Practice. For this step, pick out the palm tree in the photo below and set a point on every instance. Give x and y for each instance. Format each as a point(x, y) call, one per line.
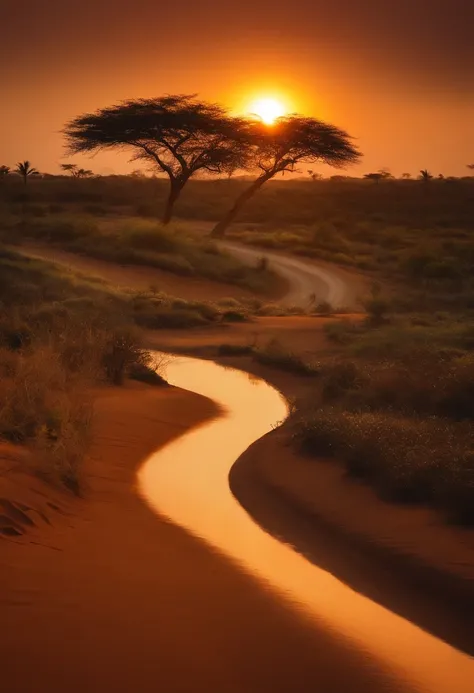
point(25, 170)
point(4, 171)
point(425, 175)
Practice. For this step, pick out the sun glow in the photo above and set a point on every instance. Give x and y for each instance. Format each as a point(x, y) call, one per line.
point(267, 109)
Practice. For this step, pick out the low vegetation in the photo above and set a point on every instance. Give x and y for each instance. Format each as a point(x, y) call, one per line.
point(137, 242)
point(406, 426)
point(59, 337)
point(275, 354)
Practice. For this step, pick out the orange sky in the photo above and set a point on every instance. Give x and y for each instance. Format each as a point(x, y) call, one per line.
point(398, 75)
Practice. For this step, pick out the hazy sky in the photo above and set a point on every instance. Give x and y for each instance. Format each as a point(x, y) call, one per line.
point(397, 74)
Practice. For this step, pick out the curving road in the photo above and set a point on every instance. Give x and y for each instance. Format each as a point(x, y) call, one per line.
point(308, 282)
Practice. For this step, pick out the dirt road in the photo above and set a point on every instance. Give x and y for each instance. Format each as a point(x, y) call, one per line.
point(308, 281)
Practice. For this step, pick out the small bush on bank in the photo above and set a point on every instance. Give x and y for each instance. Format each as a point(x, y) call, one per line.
point(234, 316)
point(235, 349)
point(277, 355)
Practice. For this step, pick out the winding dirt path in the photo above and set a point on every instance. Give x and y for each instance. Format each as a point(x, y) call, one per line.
point(306, 279)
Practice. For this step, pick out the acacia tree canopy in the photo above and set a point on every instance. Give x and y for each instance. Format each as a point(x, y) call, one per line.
point(178, 135)
point(281, 147)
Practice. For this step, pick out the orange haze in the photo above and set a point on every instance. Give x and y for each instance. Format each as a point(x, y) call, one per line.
point(398, 75)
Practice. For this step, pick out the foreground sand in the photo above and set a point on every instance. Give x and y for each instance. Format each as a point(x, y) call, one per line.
point(109, 597)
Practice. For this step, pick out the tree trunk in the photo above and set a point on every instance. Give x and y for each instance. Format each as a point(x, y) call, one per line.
point(175, 190)
point(220, 228)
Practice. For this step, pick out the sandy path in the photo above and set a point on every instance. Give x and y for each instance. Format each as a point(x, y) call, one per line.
point(306, 278)
point(111, 598)
point(308, 282)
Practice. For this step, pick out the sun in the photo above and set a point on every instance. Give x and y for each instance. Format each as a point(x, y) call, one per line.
point(267, 109)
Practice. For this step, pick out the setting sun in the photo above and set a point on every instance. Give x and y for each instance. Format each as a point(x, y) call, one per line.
point(267, 109)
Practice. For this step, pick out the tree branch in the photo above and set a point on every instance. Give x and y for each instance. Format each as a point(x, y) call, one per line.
point(155, 156)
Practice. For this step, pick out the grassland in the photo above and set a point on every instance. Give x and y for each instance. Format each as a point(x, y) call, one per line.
point(60, 337)
point(395, 400)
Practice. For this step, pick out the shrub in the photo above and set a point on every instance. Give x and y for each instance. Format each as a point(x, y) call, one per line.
point(234, 316)
point(339, 377)
point(165, 317)
point(43, 404)
point(407, 460)
point(235, 349)
point(59, 229)
point(146, 373)
point(121, 352)
point(341, 331)
point(323, 308)
point(276, 355)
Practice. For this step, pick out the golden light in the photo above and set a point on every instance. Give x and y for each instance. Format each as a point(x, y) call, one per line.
point(267, 109)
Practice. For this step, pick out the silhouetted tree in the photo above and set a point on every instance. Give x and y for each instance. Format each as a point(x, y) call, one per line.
point(84, 173)
point(25, 170)
point(377, 177)
point(425, 175)
point(72, 169)
point(381, 174)
point(406, 176)
point(470, 167)
point(289, 141)
point(4, 171)
point(177, 135)
point(315, 176)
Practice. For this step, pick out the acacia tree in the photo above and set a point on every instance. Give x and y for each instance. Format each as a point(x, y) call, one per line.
point(178, 135)
point(72, 169)
point(289, 141)
point(25, 170)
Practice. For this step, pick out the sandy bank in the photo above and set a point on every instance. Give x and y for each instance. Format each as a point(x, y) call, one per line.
point(109, 597)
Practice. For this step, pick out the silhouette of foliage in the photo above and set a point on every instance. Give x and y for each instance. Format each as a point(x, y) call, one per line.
point(291, 140)
point(425, 175)
point(178, 135)
point(70, 168)
point(25, 170)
